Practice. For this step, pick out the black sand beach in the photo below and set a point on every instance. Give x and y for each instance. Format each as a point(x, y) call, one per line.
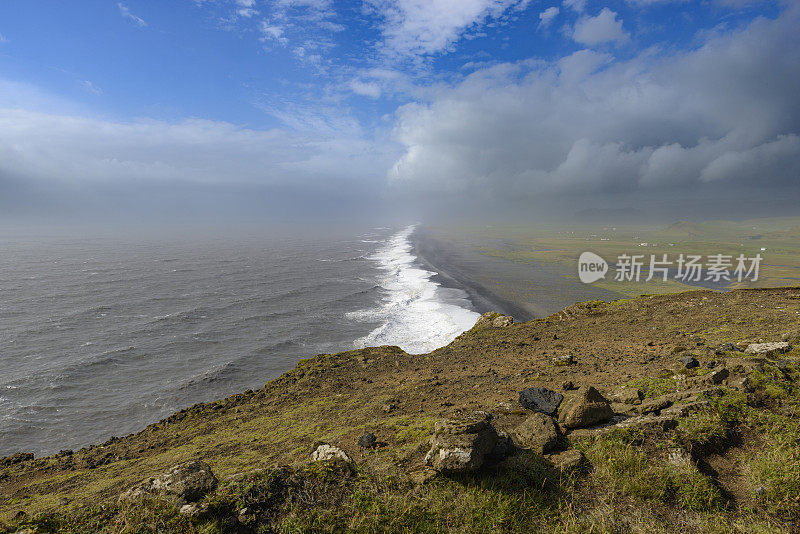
point(524, 291)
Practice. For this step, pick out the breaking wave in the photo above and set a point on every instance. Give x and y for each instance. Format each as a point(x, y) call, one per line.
point(416, 313)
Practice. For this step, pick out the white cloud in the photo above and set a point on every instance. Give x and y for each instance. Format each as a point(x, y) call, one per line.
point(547, 16)
point(272, 32)
point(123, 9)
point(603, 28)
point(370, 89)
point(575, 5)
point(90, 87)
point(723, 115)
point(424, 27)
point(85, 165)
point(246, 8)
point(3, 39)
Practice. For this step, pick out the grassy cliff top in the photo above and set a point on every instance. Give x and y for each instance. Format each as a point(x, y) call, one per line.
point(746, 477)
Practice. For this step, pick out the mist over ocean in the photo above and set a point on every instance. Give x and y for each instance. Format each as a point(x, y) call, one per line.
point(100, 337)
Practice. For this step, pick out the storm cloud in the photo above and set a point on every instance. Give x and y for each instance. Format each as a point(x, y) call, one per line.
point(724, 113)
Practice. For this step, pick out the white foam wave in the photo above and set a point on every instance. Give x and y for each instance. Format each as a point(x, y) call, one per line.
point(417, 314)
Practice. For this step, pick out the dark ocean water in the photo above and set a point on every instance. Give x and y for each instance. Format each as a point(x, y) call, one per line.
point(100, 337)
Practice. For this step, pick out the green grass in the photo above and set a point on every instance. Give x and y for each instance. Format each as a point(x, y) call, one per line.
point(623, 467)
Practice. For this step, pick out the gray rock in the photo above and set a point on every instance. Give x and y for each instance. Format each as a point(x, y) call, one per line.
point(541, 400)
point(367, 440)
point(538, 433)
point(187, 482)
point(461, 444)
point(690, 362)
point(768, 349)
point(326, 452)
point(588, 407)
point(190, 510)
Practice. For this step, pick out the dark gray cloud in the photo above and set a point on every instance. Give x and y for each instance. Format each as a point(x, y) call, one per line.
point(721, 116)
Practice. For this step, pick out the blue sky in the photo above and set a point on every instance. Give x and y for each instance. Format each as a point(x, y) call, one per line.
point(393, 99)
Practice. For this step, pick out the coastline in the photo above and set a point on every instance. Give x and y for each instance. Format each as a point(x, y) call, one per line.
point(524, 291)
point(398, 397)
point(433, 256)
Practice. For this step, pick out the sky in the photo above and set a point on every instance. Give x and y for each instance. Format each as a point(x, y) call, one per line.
point(282, 109)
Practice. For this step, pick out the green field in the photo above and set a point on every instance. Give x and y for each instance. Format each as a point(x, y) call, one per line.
point(777, 240)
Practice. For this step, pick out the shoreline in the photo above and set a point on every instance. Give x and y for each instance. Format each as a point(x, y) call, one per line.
point(525, 291)
point(433, 257)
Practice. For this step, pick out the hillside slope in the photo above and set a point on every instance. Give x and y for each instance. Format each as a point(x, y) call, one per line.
point(743, 438)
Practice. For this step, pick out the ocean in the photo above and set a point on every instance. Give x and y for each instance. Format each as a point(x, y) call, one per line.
point(101, 337)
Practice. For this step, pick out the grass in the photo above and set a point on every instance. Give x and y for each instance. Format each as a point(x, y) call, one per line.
point(629, 471)
point(623, 467)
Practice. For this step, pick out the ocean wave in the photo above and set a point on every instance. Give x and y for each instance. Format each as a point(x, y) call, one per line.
point(415, 313)
point(339, 260)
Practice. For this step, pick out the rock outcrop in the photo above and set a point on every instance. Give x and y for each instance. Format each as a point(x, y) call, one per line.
point(187, 482)
point(494, 320)
point(768, 349)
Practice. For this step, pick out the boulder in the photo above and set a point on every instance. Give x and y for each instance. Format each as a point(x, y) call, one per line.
point(567, 460)
point(461, 443)
point(541, 400)
point(325, 452)
point(538, 433)
point(367, 440)
point(588, 407)
point(187, 482)
point(768, 349)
